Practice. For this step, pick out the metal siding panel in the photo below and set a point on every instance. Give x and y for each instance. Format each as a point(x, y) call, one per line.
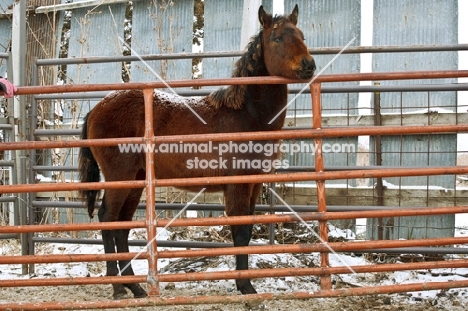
point(5, 4)
point(93, 32)
point(324, 24)
point(5, 38)
point(162, 28)
point(406, 22)
point(223, 23)
point(5, 35)
point(331, 24)
point(96, 33)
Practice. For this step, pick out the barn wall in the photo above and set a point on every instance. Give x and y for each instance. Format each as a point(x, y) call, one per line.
point(407, 22)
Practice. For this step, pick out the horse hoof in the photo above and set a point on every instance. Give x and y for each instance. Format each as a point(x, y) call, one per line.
point(120, 295)
point(245, 287)
point(142, 295)
point(137, 290)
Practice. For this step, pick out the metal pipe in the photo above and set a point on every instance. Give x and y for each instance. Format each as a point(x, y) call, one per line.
point(241, 179)
point(242, 299)
point(308, 248)
point(197, 244)
point(151, 222)
point(261, 135)
point(220, 275)
point(313, 51)
point(402, 75)
point(220, 207)
point(333, 168)
point(238, 220)
point(292, 90)
point(315, 90)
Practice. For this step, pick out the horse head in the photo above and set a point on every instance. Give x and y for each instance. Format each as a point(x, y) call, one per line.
point(284, 51)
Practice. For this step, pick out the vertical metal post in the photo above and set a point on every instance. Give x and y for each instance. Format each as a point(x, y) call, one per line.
point(18, 49)
point(13, 180)
point(153, 279)
point(315, 90)
point(378, 158)
point(271, 202)
point(250, 23)
point(32, 160)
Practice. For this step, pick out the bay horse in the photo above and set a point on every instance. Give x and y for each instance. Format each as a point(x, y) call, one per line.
point(277, 50)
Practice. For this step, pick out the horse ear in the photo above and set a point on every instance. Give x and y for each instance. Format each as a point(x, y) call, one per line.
point(264, 18)
point(294, 15)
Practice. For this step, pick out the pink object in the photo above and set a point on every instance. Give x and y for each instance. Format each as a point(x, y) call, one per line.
point(7, 87)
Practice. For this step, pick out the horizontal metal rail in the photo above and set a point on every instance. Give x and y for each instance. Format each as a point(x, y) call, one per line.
point(239, 220)
point(220, 207)
point(198, 244)
point(313, 51)
point(245, 136)
point(62, 168)
point(293, 90)
point(402, 75)
point(241, 299)
point(242, 179)
point(220, 275)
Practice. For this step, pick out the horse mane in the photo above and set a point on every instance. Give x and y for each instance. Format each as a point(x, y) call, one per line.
point(249, 64)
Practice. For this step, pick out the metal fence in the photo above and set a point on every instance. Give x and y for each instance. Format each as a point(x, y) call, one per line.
point(317, 173)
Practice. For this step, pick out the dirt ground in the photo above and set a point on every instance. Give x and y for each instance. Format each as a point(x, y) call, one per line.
point(102, 292)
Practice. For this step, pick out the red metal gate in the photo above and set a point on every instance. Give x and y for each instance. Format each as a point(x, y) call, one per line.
point(319, 175)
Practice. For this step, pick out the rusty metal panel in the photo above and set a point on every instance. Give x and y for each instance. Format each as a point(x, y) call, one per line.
point(162, 27)
point(329, 24)
point(94, 31)
point(410, 22)
point(5, 34)
point(223, 23)
point(404, 22)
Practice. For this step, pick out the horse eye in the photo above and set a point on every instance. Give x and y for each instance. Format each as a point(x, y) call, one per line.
point(277, 40)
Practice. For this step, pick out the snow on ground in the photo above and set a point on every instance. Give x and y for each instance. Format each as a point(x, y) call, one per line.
point(453, 299)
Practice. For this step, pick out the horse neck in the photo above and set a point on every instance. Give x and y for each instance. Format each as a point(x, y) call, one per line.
point(265, 101)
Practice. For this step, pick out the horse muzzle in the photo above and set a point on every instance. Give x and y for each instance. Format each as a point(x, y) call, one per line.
point(307, 69)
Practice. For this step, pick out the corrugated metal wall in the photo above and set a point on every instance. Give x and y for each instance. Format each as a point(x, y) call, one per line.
point(410, 22)
point(162, 28)
point(330, 24)
point(5, 34)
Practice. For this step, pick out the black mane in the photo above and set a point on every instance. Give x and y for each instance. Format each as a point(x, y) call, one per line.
point(250, 64)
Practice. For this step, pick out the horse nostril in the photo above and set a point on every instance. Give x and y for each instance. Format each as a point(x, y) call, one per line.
point(308, 65)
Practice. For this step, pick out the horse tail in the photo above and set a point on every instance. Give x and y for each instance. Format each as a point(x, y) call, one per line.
point(89, 170)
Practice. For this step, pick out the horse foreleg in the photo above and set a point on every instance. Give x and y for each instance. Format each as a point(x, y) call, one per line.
point(240, 200)
point(241, 237)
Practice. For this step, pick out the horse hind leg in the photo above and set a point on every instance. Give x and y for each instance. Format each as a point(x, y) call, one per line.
point(240, 200)
point(121, 240)
point(109, 210)
point(119, 205)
